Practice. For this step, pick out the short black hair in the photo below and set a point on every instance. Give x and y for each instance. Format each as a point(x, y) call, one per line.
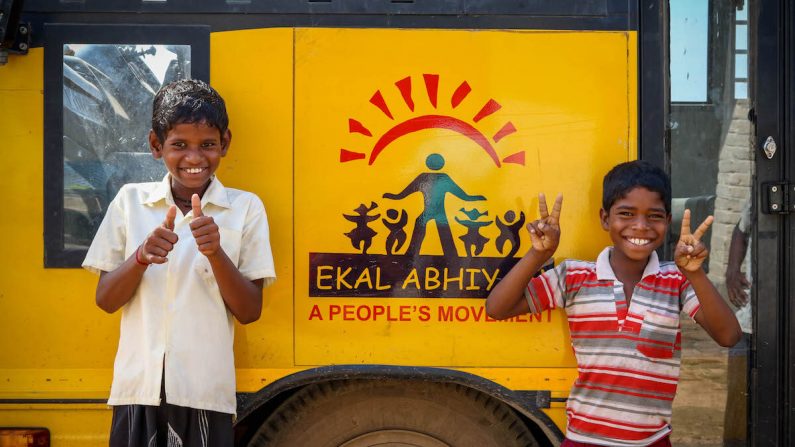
point(188, 101)
point(625, 177)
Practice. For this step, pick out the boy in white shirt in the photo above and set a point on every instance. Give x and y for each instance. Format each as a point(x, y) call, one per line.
point(180, 258)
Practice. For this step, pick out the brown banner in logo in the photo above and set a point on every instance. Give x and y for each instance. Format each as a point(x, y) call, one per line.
point(400, 276)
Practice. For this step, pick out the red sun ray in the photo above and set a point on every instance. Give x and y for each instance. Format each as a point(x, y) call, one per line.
point(404, 85)
point(378, 101)
point(432, 87)
point(506, 130)
point(346, 155)
point(460, 93)
point(517, 158)
point(489, 108)
point(357, 127)
point(431, 122)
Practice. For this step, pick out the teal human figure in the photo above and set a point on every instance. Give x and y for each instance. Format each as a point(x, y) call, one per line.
point(395, 222)
point(362, 236)
point(434, 186)
point(509, 232)
point(473, 240)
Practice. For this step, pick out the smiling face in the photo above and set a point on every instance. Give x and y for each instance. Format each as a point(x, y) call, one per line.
point(191, 152)
point(637, 224)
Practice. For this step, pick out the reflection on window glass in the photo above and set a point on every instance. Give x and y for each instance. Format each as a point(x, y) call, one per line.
point(741, 54)
point(741, 90)
point(712, 170)
point(741, 66)
point(742, 37)
point(689, 43)
point(107, 107)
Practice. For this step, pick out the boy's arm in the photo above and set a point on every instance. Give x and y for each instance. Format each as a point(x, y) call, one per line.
point(117, 287)
point(507, 297)
point(714, 316)
point(736, 281)
point(242, 296)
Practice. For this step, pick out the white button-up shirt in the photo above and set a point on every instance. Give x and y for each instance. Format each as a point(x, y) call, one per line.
point(177, 314)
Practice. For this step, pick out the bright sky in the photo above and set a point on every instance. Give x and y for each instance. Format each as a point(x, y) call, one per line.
point(689, 39)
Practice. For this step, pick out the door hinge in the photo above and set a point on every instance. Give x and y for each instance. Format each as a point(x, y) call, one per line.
point(779, 198)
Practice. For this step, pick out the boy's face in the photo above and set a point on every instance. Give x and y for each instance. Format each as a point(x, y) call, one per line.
point(637, 223)
point(191, 152)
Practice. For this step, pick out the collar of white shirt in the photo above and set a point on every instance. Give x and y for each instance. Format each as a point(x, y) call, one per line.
point(605, 272)
point(215, 193)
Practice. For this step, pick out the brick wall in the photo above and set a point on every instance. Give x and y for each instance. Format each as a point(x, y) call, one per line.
point(735, 168)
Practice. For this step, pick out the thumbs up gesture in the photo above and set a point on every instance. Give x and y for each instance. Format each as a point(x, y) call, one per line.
point(160, 242)
point(204, 229)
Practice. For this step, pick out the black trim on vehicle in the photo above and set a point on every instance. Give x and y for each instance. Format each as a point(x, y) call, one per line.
point(558, 8)
point(576, 15)
point(787, 266)
point(771, 409)
point(56, 35)
point(653, 132)
point(527, 403)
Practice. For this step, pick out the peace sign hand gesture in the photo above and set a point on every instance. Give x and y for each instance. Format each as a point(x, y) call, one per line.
point(690, 251)
point(545, 232)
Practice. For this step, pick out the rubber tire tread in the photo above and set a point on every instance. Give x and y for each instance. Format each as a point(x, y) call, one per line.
point(331, 413)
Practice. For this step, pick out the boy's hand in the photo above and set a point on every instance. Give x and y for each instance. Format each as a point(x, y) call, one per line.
point(204, 229)
point(545, 232)
point(690, 251)
point(160, 242)
point(736, 283)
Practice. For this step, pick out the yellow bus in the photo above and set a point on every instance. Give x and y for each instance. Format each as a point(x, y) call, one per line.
point(398, 147)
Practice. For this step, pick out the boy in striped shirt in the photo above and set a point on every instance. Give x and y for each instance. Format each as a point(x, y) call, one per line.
point(623, 310)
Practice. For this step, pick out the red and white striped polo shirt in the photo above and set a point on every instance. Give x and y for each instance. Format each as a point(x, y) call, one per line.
point(627, 357)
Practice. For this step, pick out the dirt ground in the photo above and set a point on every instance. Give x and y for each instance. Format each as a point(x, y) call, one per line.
point(701, 397)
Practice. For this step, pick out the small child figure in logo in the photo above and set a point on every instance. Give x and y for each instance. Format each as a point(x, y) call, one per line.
point(362, 236)
point(395, 223)
point(509, 232)
point(473, 240)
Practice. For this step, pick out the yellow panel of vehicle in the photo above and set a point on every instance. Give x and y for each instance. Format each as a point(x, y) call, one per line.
point(397, 167)
point(253, 70)
point(79, 425)
point(419, 154)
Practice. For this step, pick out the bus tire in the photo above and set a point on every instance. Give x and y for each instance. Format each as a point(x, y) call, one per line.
point(359, 413)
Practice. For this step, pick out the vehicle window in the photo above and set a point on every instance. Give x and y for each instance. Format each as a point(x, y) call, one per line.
point(712, 172)
point(99, 82)
point(107, 108)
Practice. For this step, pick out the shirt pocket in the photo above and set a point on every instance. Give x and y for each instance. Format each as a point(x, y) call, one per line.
point(230, 242)
point(657, 338)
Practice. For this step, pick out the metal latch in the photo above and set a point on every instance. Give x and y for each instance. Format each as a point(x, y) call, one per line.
point(779, 198)
point(769, 148)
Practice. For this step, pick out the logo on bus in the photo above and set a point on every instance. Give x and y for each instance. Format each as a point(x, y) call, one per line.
point(387, 257)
